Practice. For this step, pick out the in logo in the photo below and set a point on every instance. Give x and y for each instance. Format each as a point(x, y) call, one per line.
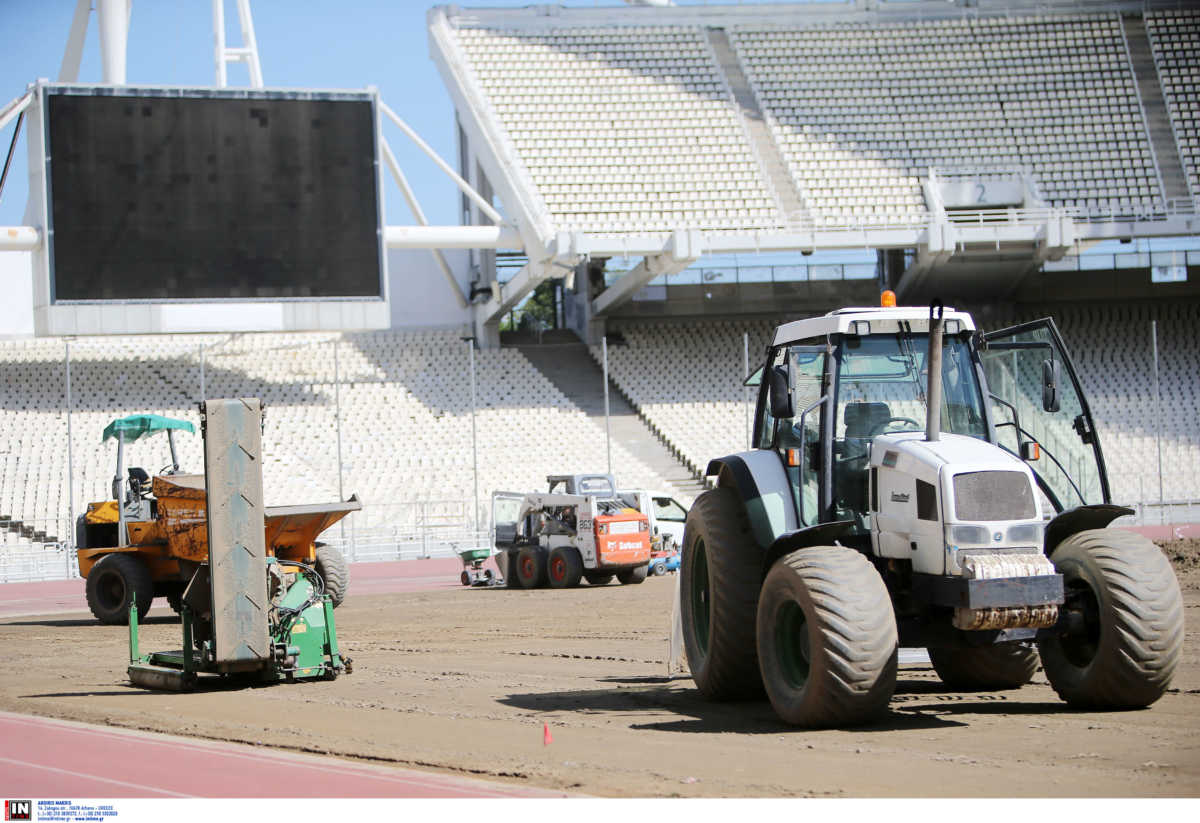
point(18, 810)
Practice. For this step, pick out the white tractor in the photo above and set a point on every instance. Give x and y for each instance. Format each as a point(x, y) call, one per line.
point(578, 530)
point(918, 483)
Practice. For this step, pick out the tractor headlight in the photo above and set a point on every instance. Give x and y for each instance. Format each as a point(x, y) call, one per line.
point(970, 536)
point(1029, 534)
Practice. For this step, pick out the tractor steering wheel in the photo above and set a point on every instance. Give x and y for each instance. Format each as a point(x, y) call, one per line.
point(878, 428)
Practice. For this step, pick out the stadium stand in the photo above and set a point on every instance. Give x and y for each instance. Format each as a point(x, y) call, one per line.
point(860, 111)
point(405, 429)
point(1175, 38)
point(622, 129)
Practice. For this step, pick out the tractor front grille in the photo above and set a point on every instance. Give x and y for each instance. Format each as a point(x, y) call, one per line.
point(993, 495)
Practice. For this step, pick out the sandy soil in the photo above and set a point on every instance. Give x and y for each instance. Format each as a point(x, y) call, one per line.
point(462, 680)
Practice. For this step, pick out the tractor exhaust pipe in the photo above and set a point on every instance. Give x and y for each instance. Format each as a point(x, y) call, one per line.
point(933, 396)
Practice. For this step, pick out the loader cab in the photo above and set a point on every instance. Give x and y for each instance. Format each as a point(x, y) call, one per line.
point(831, 385)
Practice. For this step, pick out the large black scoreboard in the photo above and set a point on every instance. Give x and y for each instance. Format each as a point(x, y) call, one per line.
point(212, 194)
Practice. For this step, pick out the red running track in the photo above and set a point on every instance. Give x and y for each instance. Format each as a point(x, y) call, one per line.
point(67, 596)
point(58, 758)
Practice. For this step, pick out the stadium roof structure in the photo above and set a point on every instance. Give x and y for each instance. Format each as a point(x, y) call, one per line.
point(986, 139)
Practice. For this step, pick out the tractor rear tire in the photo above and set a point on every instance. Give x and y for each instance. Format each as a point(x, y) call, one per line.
point(1129, 621)
point(531, 567)
point(1001, 666)
point(598, 579)
point(112, 584)
point(827, 640)
point(634, 576)
point(332, 568)
point(721, 577)
point(565, 568)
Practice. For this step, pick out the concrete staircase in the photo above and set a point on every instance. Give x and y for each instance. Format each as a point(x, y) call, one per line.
point(570, 367)
point(1158, 120)
point(774, 166)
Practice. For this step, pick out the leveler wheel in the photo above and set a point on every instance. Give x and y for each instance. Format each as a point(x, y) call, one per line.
point(531, 567)
point(111, 585)
point(720, 577)
point(565, 568)
point(1121, 635)
point(332, 568)
point(631, 577)
point(465, 577)
point(827, 642)
point(660, 568)
point(598, 579)
point(1000, 666)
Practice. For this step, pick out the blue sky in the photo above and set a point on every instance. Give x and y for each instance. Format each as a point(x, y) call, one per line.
point(349, 44)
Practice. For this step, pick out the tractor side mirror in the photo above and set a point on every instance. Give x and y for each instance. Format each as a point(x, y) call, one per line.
point(1050, 376)
point(781, 398)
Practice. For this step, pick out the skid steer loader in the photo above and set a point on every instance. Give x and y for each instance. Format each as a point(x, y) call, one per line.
point(916, 482)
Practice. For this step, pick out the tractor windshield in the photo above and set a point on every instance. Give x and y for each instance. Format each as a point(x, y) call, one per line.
point(881, 388)
point(882, 383)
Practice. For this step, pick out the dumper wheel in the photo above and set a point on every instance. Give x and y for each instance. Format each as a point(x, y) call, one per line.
point(565, 568)
point(111, 585)
point(720, 578)
point(1001, 666)
point(1121, 634)
point(827, 641)
point(531, 567)
point(332, 568)
point(631, 577)
point(598, 579)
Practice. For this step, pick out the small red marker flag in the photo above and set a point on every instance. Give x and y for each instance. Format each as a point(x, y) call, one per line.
point(546, 738)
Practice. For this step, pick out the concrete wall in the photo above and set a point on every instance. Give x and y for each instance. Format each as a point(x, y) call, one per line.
point(16, 286)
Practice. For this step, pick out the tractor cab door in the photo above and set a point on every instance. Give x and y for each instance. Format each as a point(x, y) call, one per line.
point(506, 510)
point(1041, 414)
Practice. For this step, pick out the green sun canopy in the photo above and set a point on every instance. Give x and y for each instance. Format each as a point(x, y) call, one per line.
point(136, 426)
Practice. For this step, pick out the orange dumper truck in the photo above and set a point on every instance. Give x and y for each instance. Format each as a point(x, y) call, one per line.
point(148, 540)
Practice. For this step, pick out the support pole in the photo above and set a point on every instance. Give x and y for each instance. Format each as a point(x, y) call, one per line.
point(119, 489)
point(337, 420)
point(474, 447)
point(114, 33)
point(607, 420)
point(745, 388)
point(1158, 420)
point(202, 390)
point(70, 454)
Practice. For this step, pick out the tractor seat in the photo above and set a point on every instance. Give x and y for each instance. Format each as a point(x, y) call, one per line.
point(862, 419)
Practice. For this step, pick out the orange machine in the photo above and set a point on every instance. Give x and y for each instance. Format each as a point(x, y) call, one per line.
point(150, 542)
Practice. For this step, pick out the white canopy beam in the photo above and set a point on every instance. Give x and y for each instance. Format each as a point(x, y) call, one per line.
point(451, 237)
point(463, 185)
point(683, 249)
point(14, 109)
point(19, 238)
point(418, 213)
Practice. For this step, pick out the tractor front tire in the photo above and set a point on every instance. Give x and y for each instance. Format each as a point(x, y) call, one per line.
point(632, 577)
point(598, 579)
point(1001, 666)
point(565, 568)
point(531, 567)
point(827, 640)
point(332, 568)
point(112, 584)
point(1124, 632)
point(721, 576)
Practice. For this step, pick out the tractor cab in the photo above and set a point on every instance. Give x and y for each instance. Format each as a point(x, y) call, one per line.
point(840, 387)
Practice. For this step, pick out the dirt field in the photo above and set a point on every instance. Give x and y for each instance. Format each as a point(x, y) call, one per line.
point(463, 680)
